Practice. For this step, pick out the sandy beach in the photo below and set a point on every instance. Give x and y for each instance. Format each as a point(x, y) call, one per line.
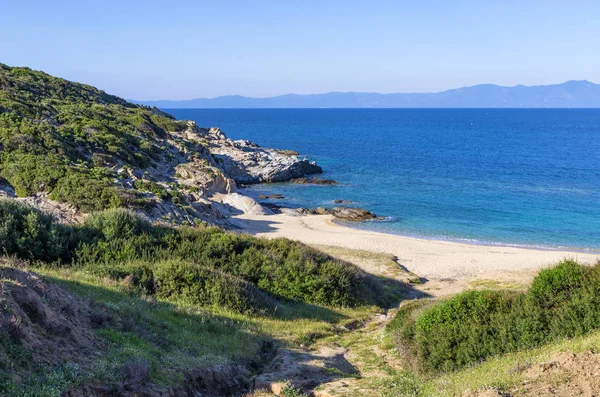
point(431, 259)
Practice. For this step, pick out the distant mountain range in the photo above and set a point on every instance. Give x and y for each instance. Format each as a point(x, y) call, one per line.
point(571, 94)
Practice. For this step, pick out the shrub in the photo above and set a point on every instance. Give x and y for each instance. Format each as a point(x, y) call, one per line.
point(30, 234)
point(86, 193)
point(151, 187)
point(563, 301)
point(117, 224)
point(212, 262)
point(459, 331)
point(208, 287)
point(552, 287)
point(29, 173)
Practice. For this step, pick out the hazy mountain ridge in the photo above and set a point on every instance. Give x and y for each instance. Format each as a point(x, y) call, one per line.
point(571, 94)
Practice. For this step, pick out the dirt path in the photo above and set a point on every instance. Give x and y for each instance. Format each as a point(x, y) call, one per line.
point(352, 362)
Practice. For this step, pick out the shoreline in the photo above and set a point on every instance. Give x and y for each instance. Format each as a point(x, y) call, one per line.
point(432, 259)
point(593, 251)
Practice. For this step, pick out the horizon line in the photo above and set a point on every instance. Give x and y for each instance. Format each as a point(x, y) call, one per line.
point(362, 92)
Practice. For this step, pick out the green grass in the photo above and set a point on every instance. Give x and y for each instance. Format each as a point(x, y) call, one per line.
point(174, 336)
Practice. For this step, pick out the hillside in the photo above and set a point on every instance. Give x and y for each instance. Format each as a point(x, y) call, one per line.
point(111, 280)
point(64, 142)
point(571, 94)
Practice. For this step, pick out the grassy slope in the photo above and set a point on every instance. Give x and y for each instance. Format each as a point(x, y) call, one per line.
point(213, 335)
point(170, 320)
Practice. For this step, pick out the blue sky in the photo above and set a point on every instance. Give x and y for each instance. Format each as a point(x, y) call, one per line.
point(186, 49)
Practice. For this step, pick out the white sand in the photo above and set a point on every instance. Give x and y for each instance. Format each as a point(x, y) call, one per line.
point(431, 259)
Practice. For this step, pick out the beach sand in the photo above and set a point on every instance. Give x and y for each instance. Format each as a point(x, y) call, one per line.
point(433, 260)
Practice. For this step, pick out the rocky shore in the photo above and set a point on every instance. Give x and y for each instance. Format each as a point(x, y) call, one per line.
point(247, 163)
point(198, 178)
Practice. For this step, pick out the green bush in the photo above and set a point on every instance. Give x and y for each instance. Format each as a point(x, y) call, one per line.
point(208, 287)
point(151, 187)
point(86, 193)
point(110, 240)
point(563, 301)
point(29, 173)
point(553, 287)
point(30, 234)
point(117, 224)
point(283, 268)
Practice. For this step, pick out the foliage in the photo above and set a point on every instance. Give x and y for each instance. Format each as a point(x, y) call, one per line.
point(45, 384)
point(87, 194)
point(204, 286)
point(205, 265)
point(151, 187)
point(563, 301)
point(30, 234)
point(53, 133)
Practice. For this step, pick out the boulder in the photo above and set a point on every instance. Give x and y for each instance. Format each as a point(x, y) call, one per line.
point(235, 203)
point(352, 214)
point(313, 181)
point(345, 213)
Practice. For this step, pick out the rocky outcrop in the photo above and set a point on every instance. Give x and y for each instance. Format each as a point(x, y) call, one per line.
point(247, 163)
point(194, 179)
point(207, 179)
point(352, 214)
point(62, 212)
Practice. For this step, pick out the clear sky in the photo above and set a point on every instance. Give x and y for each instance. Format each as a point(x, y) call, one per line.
point(187, 49)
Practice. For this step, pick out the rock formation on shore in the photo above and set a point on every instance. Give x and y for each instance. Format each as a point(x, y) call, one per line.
point(70, 155)
point(247, 163)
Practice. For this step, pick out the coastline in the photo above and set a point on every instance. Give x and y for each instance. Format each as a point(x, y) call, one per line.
point(537, 247)
point(427, 258)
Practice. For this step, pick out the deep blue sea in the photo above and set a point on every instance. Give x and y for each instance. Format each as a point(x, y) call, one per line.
point(496, 176)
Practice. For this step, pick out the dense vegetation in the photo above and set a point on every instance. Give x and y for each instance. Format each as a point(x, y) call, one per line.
point(205, 266)
point(563, 301)
point(67, 139)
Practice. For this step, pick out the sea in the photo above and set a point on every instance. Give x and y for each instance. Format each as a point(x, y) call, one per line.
point(519, 177)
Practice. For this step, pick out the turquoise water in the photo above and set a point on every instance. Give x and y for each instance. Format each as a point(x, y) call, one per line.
point(507, 176)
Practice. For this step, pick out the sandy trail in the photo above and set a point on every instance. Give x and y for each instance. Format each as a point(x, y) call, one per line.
point(432, 259)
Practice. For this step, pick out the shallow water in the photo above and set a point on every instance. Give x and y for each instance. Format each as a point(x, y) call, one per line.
point(510, 176)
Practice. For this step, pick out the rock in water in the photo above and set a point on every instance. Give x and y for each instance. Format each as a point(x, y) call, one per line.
point(352, 214)
point(271, 196)
point(313, 181)
point(345, 213)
